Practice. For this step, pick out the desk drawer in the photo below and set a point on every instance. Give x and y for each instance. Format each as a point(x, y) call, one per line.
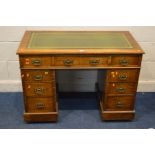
point(35, 61)
point(81, 61)
point(119, 103)
point(121, 88)
point(126, 60)
point(123, 75)
point(37, 75)
point(40, 105)
point(39, 89)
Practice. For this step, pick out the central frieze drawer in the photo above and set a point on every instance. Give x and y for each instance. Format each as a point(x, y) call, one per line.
point(40, 105)
point(39, 89)
point(121, 88)
point(81, 61)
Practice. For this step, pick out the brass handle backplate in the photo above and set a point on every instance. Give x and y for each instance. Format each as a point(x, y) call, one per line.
point(124, 62)
point(120, 90)
point(36, 62)
point(39, 91)
point(40, 105)
point(94, 62)
point(38, 77)
point(119, 104)
point(123, 77)
point(68, 62)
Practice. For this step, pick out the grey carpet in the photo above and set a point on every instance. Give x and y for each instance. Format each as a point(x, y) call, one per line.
point(76, 111)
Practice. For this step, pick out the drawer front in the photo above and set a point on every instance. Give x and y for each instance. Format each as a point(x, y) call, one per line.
point(35, 61)
point(119, 103)
point(94, 61)
point(39, 89)
point(125, 60)
point(66, 61)
point(123, 75)
point(37, 75)
point(121, 88)
point(40, 105)
point(83, 61)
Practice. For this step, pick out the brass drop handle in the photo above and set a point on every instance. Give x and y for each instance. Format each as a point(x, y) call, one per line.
point(120, 90)
point(68, 62)
point(94, 62)
point(119, 104)
point(123, 77)
point(39, 91)
point(124, 62)
point(36, 62)
point(38, 77)
point(40, 105)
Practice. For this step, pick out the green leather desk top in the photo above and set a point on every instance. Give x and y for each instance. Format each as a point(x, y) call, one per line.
point(76, 40)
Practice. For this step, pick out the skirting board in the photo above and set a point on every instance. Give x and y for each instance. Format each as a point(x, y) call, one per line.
point(16, 86)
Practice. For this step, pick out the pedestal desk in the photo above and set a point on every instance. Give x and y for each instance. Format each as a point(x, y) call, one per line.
point(115, 54)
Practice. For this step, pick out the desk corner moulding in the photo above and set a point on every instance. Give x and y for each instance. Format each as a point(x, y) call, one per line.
point(114, 54)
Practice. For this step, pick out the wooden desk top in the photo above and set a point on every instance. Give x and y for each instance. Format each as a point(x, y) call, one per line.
point(78, 42)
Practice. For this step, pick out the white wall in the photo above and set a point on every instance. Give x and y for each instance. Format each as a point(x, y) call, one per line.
point(10, 38)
